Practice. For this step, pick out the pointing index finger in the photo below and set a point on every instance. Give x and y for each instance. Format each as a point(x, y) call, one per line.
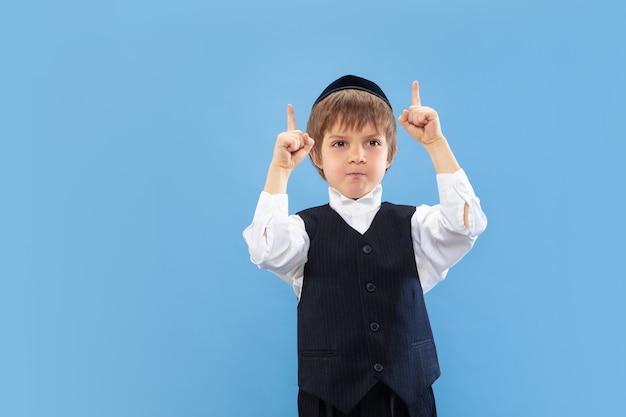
point(291, 118)
point(415, 96)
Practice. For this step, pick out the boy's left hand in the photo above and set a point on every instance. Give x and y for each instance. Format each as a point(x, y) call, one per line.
point(421, 122)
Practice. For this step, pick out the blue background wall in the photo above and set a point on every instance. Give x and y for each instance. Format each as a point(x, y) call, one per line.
point(134, 141)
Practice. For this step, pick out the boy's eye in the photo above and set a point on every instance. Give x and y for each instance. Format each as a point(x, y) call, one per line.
point(339, 144)
point(374, 142)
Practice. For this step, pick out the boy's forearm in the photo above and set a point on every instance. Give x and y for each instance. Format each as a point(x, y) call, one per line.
point(277, 179)
point(445, 162)
point(442, 157)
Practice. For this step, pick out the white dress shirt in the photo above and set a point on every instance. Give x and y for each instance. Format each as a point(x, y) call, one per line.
point(279, 243)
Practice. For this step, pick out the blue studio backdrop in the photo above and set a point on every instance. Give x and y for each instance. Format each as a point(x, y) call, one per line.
point(134, 141)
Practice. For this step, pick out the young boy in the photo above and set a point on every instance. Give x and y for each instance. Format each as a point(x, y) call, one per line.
point(359, 267)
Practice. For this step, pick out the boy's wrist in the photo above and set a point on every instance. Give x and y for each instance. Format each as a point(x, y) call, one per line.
point(438, 145)
point(279, 170)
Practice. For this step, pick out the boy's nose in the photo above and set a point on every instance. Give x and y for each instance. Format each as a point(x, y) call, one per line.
point(357, 155)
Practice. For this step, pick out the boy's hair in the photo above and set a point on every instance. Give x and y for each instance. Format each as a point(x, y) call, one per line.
point(353, 109)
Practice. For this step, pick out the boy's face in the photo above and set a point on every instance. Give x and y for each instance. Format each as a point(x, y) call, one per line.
point(353, 161)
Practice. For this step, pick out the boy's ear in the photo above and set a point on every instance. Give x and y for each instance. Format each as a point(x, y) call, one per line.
point(390, 156)
point(316, 161)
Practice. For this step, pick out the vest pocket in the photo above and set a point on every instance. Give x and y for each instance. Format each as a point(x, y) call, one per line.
point(321, 353)
point(421, 343)
point(428, 363)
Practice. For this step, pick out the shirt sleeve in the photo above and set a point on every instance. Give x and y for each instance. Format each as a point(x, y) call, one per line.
point(277, 241)
point(440, 238)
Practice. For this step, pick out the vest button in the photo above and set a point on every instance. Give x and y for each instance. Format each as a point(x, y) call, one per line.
point(370, 287)
point(367, 249)
point(374, 326)
point(378, 367)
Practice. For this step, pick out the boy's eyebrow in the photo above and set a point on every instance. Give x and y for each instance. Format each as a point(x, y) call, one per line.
point(376, 135)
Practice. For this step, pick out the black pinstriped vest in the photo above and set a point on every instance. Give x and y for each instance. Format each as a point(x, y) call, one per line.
point(361, 315)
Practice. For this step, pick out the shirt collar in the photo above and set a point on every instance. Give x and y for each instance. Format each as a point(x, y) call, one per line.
point(368, 203)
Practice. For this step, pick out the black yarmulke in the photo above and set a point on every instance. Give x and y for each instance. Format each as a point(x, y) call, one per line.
point(352, 82)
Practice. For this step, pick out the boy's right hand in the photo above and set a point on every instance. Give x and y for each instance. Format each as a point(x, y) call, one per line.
point(291, 146)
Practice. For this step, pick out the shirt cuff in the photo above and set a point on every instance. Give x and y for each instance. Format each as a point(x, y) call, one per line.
point(270, 205)
point(455, 190)
point(452, 186)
